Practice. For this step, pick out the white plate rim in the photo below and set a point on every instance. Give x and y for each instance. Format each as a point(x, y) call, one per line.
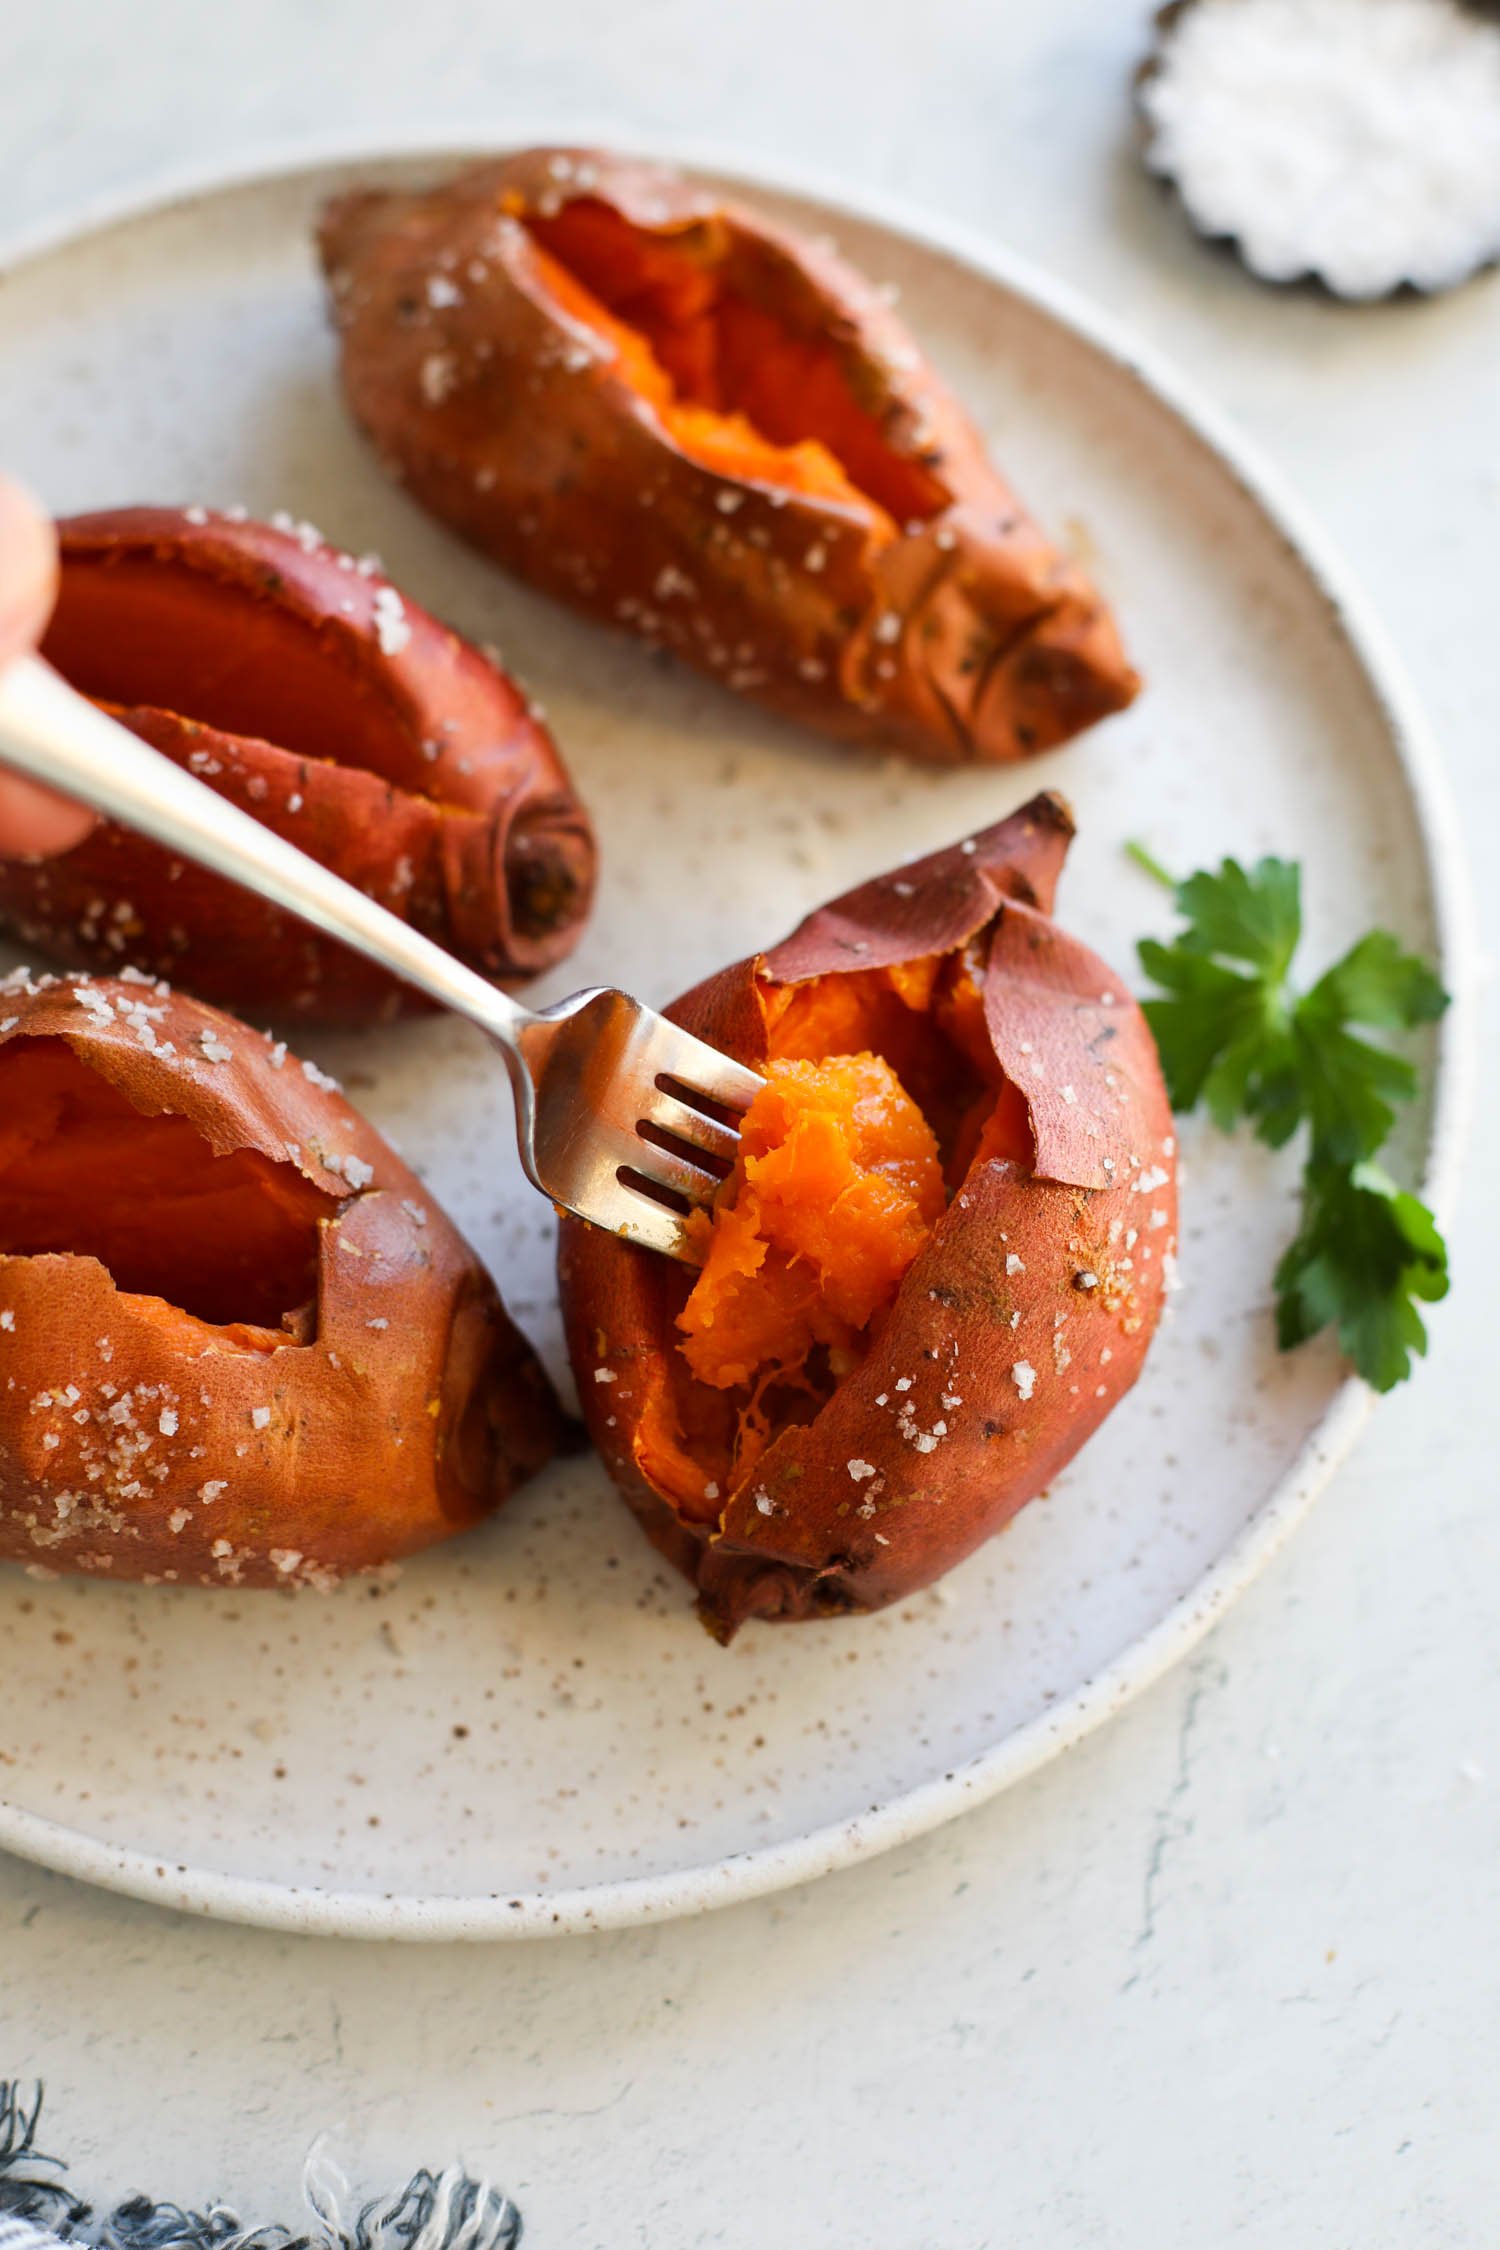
point(741, 1876)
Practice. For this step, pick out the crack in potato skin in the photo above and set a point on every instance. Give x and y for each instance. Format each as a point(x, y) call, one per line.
point(837, 1186)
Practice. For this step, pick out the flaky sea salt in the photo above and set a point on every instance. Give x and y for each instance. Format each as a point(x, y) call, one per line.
point(1358, 140)
point(392, 630)
point(438, 376)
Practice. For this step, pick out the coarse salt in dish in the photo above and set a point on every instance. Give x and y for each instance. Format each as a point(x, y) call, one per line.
point(1356, 141)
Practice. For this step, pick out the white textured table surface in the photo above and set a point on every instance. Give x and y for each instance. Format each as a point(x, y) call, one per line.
point(1230, 1972)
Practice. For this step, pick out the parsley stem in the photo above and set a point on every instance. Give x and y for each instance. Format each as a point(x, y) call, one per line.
point(1148, 862)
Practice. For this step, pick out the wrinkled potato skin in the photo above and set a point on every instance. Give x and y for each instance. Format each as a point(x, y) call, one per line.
point(381, 1439)
point(799, 1537)
point(452, 839)
point(526, 443)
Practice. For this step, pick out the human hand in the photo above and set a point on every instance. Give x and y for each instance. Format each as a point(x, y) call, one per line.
point(32, 821)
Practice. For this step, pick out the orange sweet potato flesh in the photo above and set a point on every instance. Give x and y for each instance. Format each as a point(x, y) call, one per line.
point(676, 415)
point(84, 1174)
point(737, 388)
point(892, 1402)
point(837, 1187)
point(239, 1342)
point(301, 686)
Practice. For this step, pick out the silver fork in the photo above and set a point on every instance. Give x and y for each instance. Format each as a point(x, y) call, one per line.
point(592, 1076)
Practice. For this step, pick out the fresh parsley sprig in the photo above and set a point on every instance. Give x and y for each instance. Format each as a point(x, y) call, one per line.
point(1236, 1036)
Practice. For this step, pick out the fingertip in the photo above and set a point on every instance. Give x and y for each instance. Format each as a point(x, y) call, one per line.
point(35, 824)
point(28, 570)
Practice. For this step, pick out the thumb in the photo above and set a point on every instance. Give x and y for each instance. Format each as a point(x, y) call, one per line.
point(28, 571)
point(31, 820)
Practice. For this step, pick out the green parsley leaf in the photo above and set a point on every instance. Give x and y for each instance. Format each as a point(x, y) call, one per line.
point(1224, 1031)
point(1255, 918)
point(1234, 1036)
point(1345, 1088)
point(1215, 1031)
point(1378, 984)
point(1364, 1253)
point(1348, 1084)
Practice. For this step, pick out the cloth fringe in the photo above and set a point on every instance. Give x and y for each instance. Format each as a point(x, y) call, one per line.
point(448, 2210)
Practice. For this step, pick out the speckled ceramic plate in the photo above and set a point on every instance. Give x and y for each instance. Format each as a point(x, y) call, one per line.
point(529, 1732)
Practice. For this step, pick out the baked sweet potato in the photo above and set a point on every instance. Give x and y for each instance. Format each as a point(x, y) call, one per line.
point(298, 683)
point(938, 1262)
point(239, 1342)
point(679, 417)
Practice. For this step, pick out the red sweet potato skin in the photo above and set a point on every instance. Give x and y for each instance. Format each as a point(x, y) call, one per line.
point(139, 1441)
point(300, 685)
point(965, 636)
point(1021, 1324)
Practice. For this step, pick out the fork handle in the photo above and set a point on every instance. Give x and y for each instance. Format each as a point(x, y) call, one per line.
point(55, 736)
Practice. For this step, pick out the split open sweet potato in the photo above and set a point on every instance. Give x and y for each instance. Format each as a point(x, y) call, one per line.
point(301, 685)
point(682, 418)
point(239, 1342)
point(937, 1264)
